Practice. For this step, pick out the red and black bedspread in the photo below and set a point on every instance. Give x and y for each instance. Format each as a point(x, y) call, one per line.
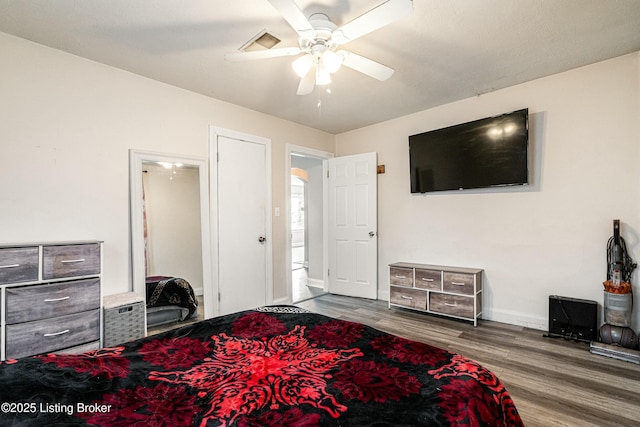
point(277, 366)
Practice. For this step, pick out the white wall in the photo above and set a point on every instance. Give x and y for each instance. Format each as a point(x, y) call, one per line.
point(547, 239)
point(314, 214)
point(66, 125)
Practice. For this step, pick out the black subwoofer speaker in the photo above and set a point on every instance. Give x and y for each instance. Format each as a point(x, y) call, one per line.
point(573, 318)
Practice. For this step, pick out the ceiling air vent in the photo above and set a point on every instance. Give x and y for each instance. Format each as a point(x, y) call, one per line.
point(263, 40)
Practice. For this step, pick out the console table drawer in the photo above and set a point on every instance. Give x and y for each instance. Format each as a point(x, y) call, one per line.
point(37, 302)
point(401, 276)
point(411, 298)
point(60, 261)
point(453, 305)
point(458, 283)
point(428, 279)
point(18, 265)
point(42, 336)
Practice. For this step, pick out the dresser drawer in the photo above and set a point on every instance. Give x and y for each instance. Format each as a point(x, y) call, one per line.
point(37, 302)
point(60, 261)
point(18, 265)
point(429, 279)
point(453, 305)
point(458, 283)
point(412, 298)
point(401, 276)
point(42, 336)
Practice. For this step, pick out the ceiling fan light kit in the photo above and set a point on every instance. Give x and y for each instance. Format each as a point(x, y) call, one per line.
point(331, 61)
point(323, 77)
point(319, 39)
point(303, 65)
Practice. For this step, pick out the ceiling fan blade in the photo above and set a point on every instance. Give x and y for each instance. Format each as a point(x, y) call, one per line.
point(366, 66)
point(307, 83)
point(376, 18)
point(262, 54)
point(293, 15)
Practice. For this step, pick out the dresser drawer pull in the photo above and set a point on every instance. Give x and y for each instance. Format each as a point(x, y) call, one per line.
point(400, 277)
point(427, 280)
point(406, 297)
point(458, 283)
point(448, 304)
point(56, 299)
point(71, 261)
point(55, 334)
point(10, 266)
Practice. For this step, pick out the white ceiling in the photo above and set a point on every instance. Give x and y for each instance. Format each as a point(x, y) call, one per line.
point(445, 51)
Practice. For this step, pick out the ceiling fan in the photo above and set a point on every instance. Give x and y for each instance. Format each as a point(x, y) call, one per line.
point(319, 40)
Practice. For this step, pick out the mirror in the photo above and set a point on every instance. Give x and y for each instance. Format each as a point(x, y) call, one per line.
point(169, 227)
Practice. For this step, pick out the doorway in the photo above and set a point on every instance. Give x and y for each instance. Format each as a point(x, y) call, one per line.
point(349, 225)
point(157, 244)
point(306, 213)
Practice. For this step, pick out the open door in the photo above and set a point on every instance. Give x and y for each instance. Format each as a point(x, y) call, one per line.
point(353, 226)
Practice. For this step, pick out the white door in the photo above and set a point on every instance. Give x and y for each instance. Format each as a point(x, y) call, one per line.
point(353, 241)
point(241, 182)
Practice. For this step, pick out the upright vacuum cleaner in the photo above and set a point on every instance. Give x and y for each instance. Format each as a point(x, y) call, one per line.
point(618, 297)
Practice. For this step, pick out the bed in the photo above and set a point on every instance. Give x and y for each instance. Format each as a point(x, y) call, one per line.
point(274, 366)
point(169, 300)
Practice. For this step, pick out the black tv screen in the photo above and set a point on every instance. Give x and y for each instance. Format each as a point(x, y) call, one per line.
point(488, 152)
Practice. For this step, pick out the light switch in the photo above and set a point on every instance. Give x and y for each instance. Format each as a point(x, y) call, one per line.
point(276, 211)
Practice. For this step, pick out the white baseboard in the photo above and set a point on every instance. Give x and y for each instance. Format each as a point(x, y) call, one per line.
point(502, 316)
point(515, 318)
point(315, 283)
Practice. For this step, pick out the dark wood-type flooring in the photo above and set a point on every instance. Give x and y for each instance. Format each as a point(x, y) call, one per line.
point(554, 382)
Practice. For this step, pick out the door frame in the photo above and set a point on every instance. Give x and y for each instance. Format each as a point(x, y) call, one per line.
point(136, 160)
point(214, 133)
point(324, 156)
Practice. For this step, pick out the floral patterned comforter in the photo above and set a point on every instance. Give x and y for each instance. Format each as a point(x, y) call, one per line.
point(276, 366)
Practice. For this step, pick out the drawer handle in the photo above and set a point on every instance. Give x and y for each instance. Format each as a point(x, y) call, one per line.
point(71, 261)
point(56, 299)
point(448, 304)
point(406, 297)
point(400, 277)
point(55, 334)
point(427, 280)
point(10, 266)
point(458, 283)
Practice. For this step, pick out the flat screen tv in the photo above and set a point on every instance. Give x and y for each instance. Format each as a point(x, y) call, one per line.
point(488, 152)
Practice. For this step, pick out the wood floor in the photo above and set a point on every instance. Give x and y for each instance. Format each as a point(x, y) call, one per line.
point(554, 382)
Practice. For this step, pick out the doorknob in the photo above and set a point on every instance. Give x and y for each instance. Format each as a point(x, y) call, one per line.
point(371, 234)
point(262, 239)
